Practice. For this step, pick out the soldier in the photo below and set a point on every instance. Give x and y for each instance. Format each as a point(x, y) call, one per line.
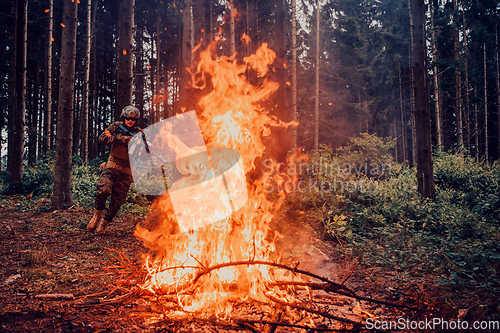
point(116, 175)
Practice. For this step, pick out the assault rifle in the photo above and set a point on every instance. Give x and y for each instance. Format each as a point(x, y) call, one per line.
point(120, 128)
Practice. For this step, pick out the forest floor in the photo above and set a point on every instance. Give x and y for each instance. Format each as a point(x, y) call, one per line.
point(48, 251)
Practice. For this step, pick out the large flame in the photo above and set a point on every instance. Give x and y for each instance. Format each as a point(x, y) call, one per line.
point(231, 117)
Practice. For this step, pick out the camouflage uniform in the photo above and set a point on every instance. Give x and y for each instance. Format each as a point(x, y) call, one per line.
point(116, 176)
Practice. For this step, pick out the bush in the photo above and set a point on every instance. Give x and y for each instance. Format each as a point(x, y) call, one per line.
point(38, 182)
point(455, 236)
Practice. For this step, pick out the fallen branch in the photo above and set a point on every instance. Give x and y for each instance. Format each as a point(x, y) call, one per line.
point(352, 268)
point(328, 288)
point(321, 313)
point(56, 296)
point(256, 262)
point(265, 322)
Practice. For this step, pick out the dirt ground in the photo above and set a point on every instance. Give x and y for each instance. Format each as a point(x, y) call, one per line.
point(47, 251)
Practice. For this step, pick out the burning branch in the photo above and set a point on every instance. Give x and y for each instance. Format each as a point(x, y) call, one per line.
point(328, 288)
point(321, 313)
point(292, 269)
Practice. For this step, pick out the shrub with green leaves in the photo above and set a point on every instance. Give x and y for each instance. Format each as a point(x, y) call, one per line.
point(38, 182)
point(456, 236)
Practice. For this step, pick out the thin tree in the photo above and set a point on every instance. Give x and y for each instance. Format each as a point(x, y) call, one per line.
point(186, 60)
point(497, 79)
point(16, 142)
point(404, 146)
point(94, 114)
point(316, 80)
point(47, 112)
point(458, 83)
point(62, 195)
point(252, 18)
point(486, 157)
point(125, 55)
point(139, 93)
point(476, 126)
point(466, 103)
point(86, 79)
point(437, 106)
point(232, 33)
point(158, 103)
point(412, 88)
point(425, 174)
point(294, 72)
point(282, 136)
point(12, 83)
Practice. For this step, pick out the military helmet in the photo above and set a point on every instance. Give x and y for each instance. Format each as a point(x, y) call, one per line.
point(130, 112)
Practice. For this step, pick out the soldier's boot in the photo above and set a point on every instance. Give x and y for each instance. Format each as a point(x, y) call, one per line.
point(101, 229)
point(95, 220)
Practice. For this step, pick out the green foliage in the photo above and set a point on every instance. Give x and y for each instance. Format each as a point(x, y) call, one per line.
point(84, 185)
point(38, 178)
point(39, 182)
point(456, 237)
point(370, 150)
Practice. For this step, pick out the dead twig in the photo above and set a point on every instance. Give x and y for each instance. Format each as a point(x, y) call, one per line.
point(321, 313)
point(326, 287)
point(322, 329)
point(352, 268)
point(56, 296)
point(257, 262)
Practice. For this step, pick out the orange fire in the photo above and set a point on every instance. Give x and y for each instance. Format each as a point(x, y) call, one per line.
point(232, 118)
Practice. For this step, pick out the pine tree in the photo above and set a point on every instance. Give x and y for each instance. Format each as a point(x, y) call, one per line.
point(62, 194)
point(425, 174)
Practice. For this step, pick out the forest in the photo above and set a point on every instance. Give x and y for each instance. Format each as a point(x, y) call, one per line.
point(375, 146)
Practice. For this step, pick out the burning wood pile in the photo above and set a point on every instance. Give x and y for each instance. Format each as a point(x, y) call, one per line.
point(226, 273)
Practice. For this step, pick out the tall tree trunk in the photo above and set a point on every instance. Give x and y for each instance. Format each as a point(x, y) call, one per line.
point(281, 136)
point(62, 195)
point(404, 141)
point(77, 115)
point(159, 99)
point(186, 56)
point(152, 115)
point(125, 55)
point(47, 115)
point(94, 114)
point(15, 162)
point(12, 85)
point(199, 22)
point(412, 90)
point(437, 106)
point(232, 37)
point(294, 72)
point(425, 174)
point(316, 81)
point(486, 147)
point(33, 113)
point(458, 83)
point(139, 93)
point(86, 78)
point(466, 104)
point(497, 81)
point(253, 25)
point(393, 134)
point(476, 126)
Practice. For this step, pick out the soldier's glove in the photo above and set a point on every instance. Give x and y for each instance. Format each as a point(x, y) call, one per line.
point(123, 138)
